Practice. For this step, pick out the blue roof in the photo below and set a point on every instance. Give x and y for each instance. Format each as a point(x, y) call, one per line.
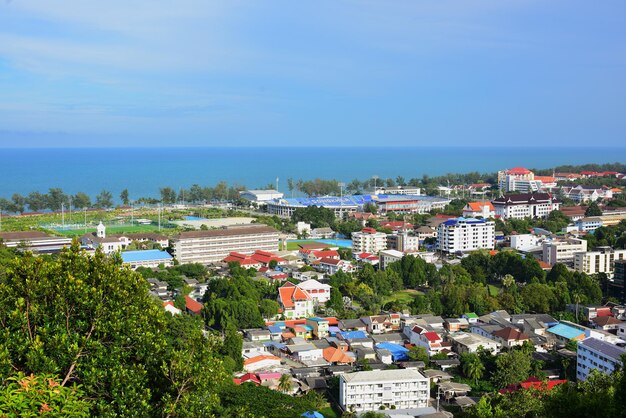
point(349, 335)
point(565, 331)
point(307, 327)
point(274, 329)
point(317, 319)
point(398, 353)
point(145, 255)
point(454, 221)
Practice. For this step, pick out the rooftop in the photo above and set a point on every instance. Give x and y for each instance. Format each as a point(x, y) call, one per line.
point(146, 255)
point(382, 375)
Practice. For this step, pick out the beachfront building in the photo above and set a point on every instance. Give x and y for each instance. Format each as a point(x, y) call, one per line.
point(594, 354)
point(260, 196)
point(463, 235)
point(374, 390)
point(600, 260)
point(518, 179)
point(562, 250)
point(398, 203)
point(368, 240)
point(214, 245)
point(147, 258)
point(35, 241)
point(529, 205)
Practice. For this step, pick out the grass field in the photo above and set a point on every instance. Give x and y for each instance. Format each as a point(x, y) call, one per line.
point(292, 246)
point(116, 230)
point(329, 412)
point(402, 296)
point(493, 290)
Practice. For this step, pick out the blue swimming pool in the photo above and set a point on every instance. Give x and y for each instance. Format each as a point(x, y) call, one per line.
point(194, 218)
point(346, 243)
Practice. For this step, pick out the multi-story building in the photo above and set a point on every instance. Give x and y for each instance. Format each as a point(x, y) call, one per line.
point(582, 194)
point(562, 250)
point(529, 205)
point(389, 256)
point(260, 196)
point(416, 191)
point(214, 245)
point(296, 302)
point(373, 390)
point(618, 286)
point(525, 242)
point(147, 258)
point(461, 234)
point(320, 292)
point(589, 224)
point(35, 241)
point(368, 240)
point(403, 241)
point(518, 179)
point(600, 260)
point(594, 354)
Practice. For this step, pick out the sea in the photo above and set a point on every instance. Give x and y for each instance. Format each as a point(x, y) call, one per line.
point(144, 170)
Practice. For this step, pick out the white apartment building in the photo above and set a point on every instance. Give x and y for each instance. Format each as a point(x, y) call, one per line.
point(525, 242)
point(562, 250)
point(214, 245)
point(530, 205)
point(403, 241)
point(461, 234)
point(594, 354)
point(589, 224)
point(369, 391)
point(518, 179)
point(368, 240)
point(601, 260)
point(415, 191)
point(260, 195)
point(389, 256)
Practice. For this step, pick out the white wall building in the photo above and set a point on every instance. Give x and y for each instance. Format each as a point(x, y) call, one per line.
point(260, 196)
point(371, 390)
point(562, 250)
point(589, 224)
point(320, 292)
point(525, 242)
point(214, 245)
point(368, 240)
point(530, 205)
point(464, 235)
point(594, 354)
point(518, 179)
point(416, 191)
point(389, 256)
point(601, 260)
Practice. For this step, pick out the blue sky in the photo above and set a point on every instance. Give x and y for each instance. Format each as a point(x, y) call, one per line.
point(277, 73)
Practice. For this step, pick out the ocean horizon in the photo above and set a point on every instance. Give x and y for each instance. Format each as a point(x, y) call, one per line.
point(144, 170)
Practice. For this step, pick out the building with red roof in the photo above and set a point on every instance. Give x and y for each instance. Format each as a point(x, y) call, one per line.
point(192, 306)
point(533, 383)
point(518, 179)
point(479, 209)
point(510, 336)
point(256, 260)
point(296, 302)
point(248, 377)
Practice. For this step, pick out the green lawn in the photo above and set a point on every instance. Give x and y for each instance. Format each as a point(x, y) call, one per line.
point(116, 230)
point(292, 246)
point(402, 296)
point(493, 290)
point(329, 412)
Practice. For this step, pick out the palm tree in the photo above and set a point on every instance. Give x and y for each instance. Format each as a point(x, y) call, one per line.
point(284, 383)
point(577, 296)
point(473, 368)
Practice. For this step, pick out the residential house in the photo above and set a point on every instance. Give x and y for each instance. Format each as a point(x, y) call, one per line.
point(380, 324)
point(510, 337)
point(320, 292)
point(261, 362)
point(295, 302)
point(479, 209)
point(466, 342)
point(192, 306)
point(331, 266)
point(319, 327)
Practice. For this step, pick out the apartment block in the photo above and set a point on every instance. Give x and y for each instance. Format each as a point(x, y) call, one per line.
point(562, 250)
point(464, 235)
point(214, 245)
point(594, 354)
point(372, 390)
point(368, 240)
point(601, 260)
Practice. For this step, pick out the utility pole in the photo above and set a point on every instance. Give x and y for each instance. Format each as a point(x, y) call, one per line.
point(375, 177)
point(0, 219)
point(63, 214)
point(159, 210)
point(341, 185)
point(85, 211)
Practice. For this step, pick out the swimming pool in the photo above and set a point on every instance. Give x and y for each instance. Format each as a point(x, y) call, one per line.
point(345, 243)
point(194, 218)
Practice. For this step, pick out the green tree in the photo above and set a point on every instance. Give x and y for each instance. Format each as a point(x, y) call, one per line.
point(512, 367)
point(233, 343)
point(55, 199)
point(124, 197)
point(473, 367)
point(593, 210)
point(417, 353)
point(284, 383)
point(81, 200)
point(168, 195)
point(37, 201)
point(104, 200)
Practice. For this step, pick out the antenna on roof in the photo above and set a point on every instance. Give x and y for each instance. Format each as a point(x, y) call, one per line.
point(276, 183)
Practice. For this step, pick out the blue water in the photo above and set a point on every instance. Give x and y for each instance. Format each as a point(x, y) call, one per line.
point(194, 218)
point(144, 171)
point(346, 243)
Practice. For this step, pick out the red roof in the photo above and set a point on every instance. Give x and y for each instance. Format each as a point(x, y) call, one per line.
point(289, 293)
point(331, 261)
point(265, 257)
point(478, 206)
point(326, 253)
point(242, 259)
point(510, 334)
point(397, 225)
point(432, 336)
point(518, 171)
point(533, 382)
point(369, 230)
point(192, 305)
point(248, 377)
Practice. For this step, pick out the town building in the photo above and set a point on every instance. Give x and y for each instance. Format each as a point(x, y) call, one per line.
point(463, 235)
point(584, 194)
point(295, 302)
point(100, 240)
point(529, 205)
point(518, 179)
point(403, 241)
point(525, 242)
point(562, 250)
point(389, 256)
point(389, 389)
point(147, 258)
point(589, 224)
point(595, 354)
point(479, 209)
point(211, 246)
point(320, 292)
point(260, 196)
point(600, 260)
point(368, 240)
point(331, 266)
point(404, 190)
point(467, 342)
point(35, 241)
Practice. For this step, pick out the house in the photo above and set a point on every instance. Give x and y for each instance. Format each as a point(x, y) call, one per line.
point(471, 317)
point(564, 333)
point(456, 324)
point(390, 389)
point(479, 209)
point(424, 232)
point(606, 323)
point(534, 383)
point(311, 255)
point(352, 325)
point(465, 342)
point(336, 355)
point(389, 256)
point(100, 240)
point(510, 337)
point(169, 307)
point(320, 292)
point(331, 266)
point(429, 340)
point(192, 306)
point(319, 327)
point(398, 352)
point(257, 334)
point(248, 377)
point(366, 258)
point(261, 362)
point(379, 324)
point(295, 302)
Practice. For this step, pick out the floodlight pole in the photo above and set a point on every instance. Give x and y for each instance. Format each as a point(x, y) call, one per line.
point(63, 215)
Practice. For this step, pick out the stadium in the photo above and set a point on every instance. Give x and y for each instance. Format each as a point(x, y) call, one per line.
point(346, 204)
